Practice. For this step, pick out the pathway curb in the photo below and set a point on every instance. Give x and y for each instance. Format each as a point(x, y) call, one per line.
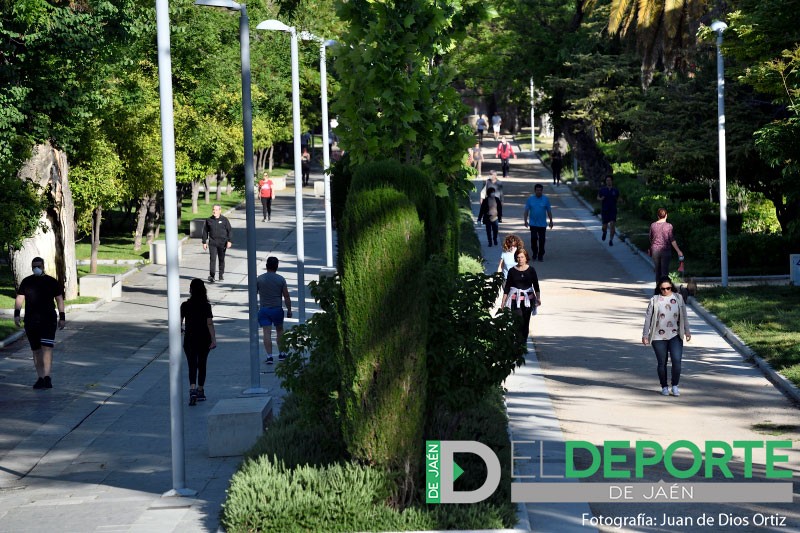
point(780, 382)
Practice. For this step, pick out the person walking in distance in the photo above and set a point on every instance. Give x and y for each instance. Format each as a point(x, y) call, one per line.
point(505, 152)
point(41, 294)
point(557, 163)
point(217, 238)
point(305, 167)
point(496, 122)
point(508, 258)
point(497, 184)
point(491, 214)
point(662, 241)
point(476, 158)
point(265, 192)
point(199, 338)
point(609, 195)
point(537, 211)
point(665, 327)
point(481, 124)
point(521, 293)
point(271, 289)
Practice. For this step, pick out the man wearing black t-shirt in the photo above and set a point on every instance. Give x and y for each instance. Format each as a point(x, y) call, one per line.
point(38, 292)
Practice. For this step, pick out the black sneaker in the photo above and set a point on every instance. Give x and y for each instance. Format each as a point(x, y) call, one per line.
point(604, 236)
point(269, 360)
point(211, 279)
point(201, 395)
point(281, 356)
point(193, 397)
point(611, 243)
point(39, 384)
point(221, 278)
point(48, 384)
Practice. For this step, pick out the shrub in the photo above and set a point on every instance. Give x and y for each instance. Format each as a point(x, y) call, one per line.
point(316, 382)
point(469, 265)
point(384, 366)
point(296, 439)
point(470, 352)
point(265, 495)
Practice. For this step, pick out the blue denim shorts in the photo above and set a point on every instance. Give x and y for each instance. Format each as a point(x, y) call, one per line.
point(270, 316)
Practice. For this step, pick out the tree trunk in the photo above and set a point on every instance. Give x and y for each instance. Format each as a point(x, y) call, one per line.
point(98, 217)
point(141, 217)
point(591, 159)
point(54, 241)
point(152, 218)
point(220, 177)
point(179, 193)
point(207, 190)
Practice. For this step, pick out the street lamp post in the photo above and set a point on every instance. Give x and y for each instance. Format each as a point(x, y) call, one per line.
point(533, 117)
point(171, 236)
point(326, 147)
point(719, 27)
point(276, 25)
point(250, 202)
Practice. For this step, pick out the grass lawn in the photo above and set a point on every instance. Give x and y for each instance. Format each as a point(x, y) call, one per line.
point(767, 318)
point(7, 327)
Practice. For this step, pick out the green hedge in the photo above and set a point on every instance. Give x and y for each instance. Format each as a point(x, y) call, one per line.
point(384, 367)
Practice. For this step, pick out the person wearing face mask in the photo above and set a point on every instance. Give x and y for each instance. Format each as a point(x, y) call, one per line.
point(39, 292)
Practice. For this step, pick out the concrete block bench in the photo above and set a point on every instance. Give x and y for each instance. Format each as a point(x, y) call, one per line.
point(319, 189)
point(103, 286)
point(158, 252)
point(234, 425)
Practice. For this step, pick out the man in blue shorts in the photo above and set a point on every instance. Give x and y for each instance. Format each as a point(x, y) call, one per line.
point(40, 293)
point(271, 288)
point(608, 211)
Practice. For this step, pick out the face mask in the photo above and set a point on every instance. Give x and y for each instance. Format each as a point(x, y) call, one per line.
point(38, 271)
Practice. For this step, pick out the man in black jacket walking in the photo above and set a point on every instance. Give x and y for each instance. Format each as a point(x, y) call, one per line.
point(217, 238)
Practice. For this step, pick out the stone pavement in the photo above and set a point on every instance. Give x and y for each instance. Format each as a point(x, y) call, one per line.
point(94, 452)
point(599, 383)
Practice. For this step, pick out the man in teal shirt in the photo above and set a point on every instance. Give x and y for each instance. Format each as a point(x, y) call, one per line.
point(537, 212)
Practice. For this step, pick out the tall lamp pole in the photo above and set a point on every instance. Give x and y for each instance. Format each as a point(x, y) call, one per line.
point(276, 25)
point(533, 117)
point(719, 27)
point(171, 235)
point(326, 148)
point(249, 187)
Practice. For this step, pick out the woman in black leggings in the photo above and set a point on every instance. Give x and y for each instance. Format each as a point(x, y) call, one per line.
point(199, 339)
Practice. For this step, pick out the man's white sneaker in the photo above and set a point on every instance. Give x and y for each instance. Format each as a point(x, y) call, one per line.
point(665, 391)
point(675, 391)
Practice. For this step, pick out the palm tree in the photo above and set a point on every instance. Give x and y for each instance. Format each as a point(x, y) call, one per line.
point(664, 30)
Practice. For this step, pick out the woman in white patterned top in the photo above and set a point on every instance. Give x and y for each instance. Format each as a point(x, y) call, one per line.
point(665, 327)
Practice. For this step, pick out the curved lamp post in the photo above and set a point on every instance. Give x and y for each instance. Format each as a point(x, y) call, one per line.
point(276, 25)
point(719, 27)
point(249, 180)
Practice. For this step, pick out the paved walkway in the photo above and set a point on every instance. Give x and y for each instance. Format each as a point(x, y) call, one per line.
point(94, 453)
point(599, 383)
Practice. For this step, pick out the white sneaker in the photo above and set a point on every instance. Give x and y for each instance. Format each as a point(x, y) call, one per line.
point(675, 391)
point(665, 391)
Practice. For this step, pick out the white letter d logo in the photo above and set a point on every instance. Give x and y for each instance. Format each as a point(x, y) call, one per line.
point(448, 471)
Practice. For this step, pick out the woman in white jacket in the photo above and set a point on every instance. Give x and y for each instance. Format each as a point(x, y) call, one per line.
point(665, 327)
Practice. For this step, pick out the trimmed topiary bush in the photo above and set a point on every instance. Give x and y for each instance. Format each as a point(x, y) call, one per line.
point(386, 313)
